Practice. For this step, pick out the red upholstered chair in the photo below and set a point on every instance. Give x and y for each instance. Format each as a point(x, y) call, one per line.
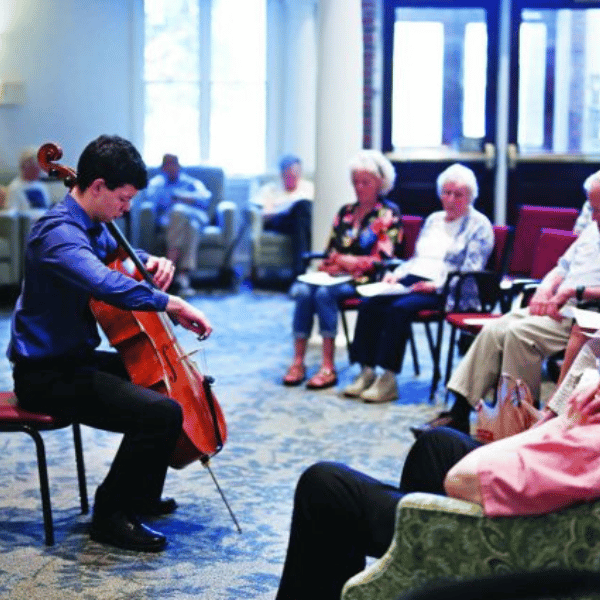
point(551, 245)
point(12, 419)
point(488, 286)
point(530, 222)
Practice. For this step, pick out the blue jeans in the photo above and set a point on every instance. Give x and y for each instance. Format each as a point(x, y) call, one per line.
point(321, 300)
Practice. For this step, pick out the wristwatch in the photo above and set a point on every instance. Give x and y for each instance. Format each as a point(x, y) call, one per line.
point(579, 290)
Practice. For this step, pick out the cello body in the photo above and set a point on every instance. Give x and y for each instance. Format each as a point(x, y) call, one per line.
point(150, 351)
point(154, 359)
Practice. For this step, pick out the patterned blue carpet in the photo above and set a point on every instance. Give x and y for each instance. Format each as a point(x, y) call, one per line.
point(274, 433)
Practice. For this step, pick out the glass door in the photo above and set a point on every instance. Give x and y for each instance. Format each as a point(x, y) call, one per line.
point(439, 96)
point(554, 126)
point(510, 87)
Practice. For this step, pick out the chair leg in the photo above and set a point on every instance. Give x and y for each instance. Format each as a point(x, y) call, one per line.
point(346, 331)
point(437, 375)
point(449, 360)
point(83, 496)
point(413, 350)
point(44, 486)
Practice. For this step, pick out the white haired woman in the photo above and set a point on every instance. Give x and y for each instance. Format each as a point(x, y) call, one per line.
point(457, 238)
point(363, 233)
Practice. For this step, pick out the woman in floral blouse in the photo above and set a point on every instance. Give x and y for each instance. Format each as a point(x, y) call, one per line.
point(458, 238)
point(364, 233)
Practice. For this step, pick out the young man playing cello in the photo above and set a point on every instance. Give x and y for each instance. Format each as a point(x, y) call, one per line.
point(57, 368)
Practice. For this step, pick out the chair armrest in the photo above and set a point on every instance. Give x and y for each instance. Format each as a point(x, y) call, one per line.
point(488, 288)
point(147, 226)
point(254, 212)
point(10, 229)
point(435, 502)
point(225, 217)
point(9, 224)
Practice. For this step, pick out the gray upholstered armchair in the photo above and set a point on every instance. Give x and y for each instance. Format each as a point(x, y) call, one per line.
point(217, 238)
point(438, 538)
point(10, 249)
point(271, 251)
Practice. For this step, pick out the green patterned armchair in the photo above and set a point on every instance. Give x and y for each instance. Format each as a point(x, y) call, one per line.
point(438, 538)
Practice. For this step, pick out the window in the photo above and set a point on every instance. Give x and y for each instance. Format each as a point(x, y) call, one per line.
point(559, 82)
point(205, 82)
point(439, 77)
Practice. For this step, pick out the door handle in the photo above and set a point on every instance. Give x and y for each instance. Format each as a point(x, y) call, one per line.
point(489, 151)
point(512, 152)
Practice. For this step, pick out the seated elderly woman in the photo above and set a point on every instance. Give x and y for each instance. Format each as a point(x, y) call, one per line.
point(363, 233)
point(458, 238)
point(341, 515)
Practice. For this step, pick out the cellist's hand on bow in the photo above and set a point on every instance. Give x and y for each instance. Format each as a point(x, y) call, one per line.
point(162, 270)
point(189, 316)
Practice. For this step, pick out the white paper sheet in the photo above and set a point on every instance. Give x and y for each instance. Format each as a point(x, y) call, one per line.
point(322, 278)
point(586, 319)
point(379, 288)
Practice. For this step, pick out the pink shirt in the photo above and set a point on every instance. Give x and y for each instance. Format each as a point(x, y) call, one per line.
point(540, 470)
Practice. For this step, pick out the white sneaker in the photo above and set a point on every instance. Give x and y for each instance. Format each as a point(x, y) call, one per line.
point(361, 383)
point(384, 389)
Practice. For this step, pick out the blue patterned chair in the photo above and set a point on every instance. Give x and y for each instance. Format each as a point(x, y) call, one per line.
point(438, 538)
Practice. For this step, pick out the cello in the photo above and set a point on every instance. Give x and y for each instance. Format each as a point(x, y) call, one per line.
point(151, 353)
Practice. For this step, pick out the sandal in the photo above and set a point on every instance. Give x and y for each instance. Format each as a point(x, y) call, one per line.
point(295, 375)
point(324, 378)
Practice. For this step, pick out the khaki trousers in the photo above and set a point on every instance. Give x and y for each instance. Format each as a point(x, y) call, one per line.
point(183, 234)
point(516, 343)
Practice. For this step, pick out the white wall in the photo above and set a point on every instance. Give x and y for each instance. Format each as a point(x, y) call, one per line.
point(81, 64)
point(76, 59)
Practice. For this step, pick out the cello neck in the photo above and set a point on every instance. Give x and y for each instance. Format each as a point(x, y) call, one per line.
point(124, 243)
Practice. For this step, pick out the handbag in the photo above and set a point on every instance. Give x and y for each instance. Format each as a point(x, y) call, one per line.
point(512, 412)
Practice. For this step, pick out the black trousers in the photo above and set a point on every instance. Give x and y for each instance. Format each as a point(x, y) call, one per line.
point(383, 327)
point(341, 516)
point(296, 221)
point(96, 391)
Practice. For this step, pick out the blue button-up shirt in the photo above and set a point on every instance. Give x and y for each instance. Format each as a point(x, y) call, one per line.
point(63, 268)
point(164, 193)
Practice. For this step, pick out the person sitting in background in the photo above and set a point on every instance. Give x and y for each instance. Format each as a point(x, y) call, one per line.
point(342, 515)
point(26, 191)
point(591, 187)
point(458, 238)
point(287, 207)
point(181, 202)
point(518, 342)
point(364, 233)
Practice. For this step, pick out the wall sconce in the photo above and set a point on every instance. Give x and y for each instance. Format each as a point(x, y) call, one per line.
point(12, 93)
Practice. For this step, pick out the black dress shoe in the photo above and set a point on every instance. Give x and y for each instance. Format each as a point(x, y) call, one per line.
point(158, 508)
point(444, 419)
point(126, 531)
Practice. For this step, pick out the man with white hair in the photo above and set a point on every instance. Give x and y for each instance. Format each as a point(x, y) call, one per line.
point(518, 342)
point(585, 216)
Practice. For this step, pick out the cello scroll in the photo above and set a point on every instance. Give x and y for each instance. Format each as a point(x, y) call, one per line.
point(47, 154)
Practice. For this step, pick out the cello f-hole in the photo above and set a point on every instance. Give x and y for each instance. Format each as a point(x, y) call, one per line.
point(165, 352)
